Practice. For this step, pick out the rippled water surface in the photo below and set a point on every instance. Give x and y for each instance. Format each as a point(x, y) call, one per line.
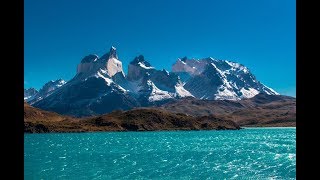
point(257, 153)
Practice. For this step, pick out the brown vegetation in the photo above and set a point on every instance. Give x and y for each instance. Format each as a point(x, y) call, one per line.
point(261, 110)
point(38, 121)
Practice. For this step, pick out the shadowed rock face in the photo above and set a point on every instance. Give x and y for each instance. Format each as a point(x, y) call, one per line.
point(206, 84)
point(88, 64)
point(39, 121)
point(138, 68)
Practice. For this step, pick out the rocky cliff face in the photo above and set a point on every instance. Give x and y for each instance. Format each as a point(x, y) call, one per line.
point(88, 64)
point(109, 63)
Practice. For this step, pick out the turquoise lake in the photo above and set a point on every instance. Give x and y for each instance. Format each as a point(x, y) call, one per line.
point(253, 153)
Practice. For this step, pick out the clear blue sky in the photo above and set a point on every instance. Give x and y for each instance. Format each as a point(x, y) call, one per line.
point(257, 33)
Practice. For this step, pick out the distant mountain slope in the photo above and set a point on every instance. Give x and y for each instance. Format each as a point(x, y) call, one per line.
point(261, 110)
point(29, 94)
point(32, 96)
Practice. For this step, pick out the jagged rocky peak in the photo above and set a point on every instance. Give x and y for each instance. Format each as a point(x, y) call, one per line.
point(88, 64)
point(90, 58)
point(139, 67)
point(111, 54)
point(184, 59)
point(52, 85)
point(114, 65)
point(109, 63)
point(141, 62)
point(166, 72)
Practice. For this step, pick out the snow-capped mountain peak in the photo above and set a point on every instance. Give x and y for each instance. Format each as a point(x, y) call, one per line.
point(113, 53)
point(48, 89)
point(210, 78)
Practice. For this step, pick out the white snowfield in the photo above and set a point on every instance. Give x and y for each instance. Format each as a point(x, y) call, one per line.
point(144, 66)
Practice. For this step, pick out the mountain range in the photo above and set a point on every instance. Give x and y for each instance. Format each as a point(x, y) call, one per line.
point(101, 86)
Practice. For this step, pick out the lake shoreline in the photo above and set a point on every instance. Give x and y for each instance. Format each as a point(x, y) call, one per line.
point(89, 132)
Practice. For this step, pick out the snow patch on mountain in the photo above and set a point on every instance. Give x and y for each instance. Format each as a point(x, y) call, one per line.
point(181, 92)
point(144, 66)
point(269, 90)
point(225, 93)
point(157, 94)
point(248, 93)
point(108, 80)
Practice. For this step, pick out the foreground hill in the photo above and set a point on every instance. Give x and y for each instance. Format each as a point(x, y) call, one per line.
point(261, 110)
point(38, 121)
